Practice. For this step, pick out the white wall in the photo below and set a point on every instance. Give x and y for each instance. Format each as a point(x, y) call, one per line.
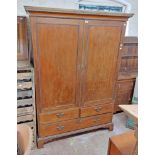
point(132, 28)
point(133, 22)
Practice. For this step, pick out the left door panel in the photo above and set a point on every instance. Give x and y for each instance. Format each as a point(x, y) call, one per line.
point(57, 46)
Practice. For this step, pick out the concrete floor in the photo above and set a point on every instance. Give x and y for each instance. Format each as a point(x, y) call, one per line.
point(92, 143)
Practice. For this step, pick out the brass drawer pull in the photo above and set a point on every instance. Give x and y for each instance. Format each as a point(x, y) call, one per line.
point(60, 114)
point(60, 128)
point(96, 120)
point(98, 109)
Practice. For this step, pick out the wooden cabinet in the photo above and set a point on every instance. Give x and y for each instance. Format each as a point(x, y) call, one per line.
point(127, 72)
point(129, 58)
point(124, 93)
point(76, 58)
point(22, 39)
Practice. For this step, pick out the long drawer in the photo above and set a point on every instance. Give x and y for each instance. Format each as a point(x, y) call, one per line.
point(47, 129)
point(59, 115)
point(96, 110)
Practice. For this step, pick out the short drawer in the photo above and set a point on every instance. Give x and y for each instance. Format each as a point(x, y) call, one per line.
point(59, 115)
point(49, 129)
point(96, 120)
point(95, 110)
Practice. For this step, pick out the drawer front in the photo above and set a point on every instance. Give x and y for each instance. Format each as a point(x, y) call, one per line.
point(59, 115)
point(125, 85)
point(48, 129)
point(95, 120)
point(57, 128)
point(95, 110)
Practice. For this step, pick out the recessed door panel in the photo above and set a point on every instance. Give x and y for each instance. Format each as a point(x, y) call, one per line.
point(102, 41)
point(58, 44)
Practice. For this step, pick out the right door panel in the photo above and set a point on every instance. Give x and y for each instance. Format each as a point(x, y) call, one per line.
point(102, 39)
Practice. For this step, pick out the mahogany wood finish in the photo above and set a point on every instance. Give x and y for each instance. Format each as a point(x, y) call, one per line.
point(76, 58)
point(127, 73)
point(100, 61)
point(59, 115)
point(22, 39)
point(58, 42)
point(42, 141)
point(96, 110)
point(71, 125)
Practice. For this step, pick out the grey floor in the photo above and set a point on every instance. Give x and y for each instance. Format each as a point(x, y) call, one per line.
point(92, 143)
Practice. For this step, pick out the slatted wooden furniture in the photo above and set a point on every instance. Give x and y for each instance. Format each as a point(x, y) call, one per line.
point(26, 113)
point(127, 73)
point(76, 60)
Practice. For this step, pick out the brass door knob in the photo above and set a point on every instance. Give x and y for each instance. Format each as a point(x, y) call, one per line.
point(96, 120)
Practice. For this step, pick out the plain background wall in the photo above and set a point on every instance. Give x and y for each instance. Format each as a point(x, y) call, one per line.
point(133, 22)
point(132, 28)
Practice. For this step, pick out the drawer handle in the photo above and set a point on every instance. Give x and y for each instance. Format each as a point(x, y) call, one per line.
point(60, 128)
point(96, 120)
point(98, 109)
point(59, 115)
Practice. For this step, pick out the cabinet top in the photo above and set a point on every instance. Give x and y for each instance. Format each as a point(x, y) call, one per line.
point(32, 9)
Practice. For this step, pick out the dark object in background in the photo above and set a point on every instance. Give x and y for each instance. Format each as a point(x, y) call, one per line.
point(22, 38)
point(127, 73)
